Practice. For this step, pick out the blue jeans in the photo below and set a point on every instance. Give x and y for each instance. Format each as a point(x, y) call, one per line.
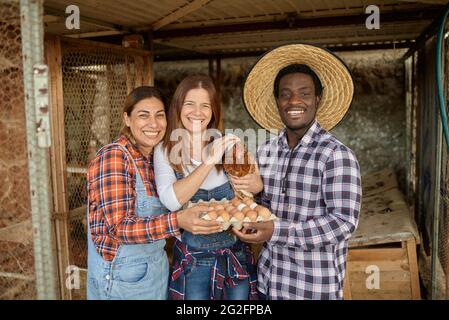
point(198, 275)
point(199, 286)
point(140, 278)
point(138, 271)
point(198, 281)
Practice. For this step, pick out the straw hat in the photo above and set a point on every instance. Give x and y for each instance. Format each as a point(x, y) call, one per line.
point(338, 87)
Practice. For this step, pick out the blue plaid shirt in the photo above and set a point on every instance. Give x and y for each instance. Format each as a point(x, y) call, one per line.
point(315, 191)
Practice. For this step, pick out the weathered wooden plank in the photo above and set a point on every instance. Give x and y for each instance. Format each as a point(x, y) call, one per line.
point(400, 276)
point(384, 218)
point(379, 182)
point(179, 13)
point(53, 56)
point(82, 44)
point(382, 265)
point(374, 295)
point(347, 295)
point(413, 261)
point(376, 254)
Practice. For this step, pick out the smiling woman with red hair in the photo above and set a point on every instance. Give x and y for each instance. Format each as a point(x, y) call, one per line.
point(216, 266)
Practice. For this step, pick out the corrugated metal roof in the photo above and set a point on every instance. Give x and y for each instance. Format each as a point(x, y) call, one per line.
point(235, 25)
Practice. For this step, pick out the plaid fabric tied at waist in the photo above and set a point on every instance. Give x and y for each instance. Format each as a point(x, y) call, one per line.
point(226, 271)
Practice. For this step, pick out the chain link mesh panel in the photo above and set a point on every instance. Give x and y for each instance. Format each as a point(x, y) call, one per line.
point(96, 81)
point(17, 273)
point(443, 244)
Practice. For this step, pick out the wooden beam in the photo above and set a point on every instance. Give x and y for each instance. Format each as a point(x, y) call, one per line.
point(179, 13)
point(178, 46)
point(20, 232)
point(255, 53)
point(92, 34)
point(89, 44)
point(441, 2)
point(411, 15)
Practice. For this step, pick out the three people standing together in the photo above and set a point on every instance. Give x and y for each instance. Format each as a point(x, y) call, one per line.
point(139, 184)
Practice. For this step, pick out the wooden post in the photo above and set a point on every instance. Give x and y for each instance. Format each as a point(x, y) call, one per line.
point(414, 273)
point(211, 69)
point(218, 77)
point(148, 61)
point(129, 85)
point(139, 71)
point(107, 108)
point(347, 286)
point(147, 73)
point(218, 88)
point(53, 55)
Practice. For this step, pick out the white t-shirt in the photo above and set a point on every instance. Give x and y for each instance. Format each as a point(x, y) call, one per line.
point(165, 178)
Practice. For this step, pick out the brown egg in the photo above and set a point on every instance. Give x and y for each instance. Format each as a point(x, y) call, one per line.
point(245, 210)
point(248, 201)
point(258, 208)
point(239, 216)
point(252, 215)
point(219, 207)
point(236, 201)
point(233, 211)
point(225, 215)
point(264, 213)
point(213, 214)
point(229, 208)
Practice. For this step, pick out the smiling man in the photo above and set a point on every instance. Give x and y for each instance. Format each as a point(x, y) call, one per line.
point(311, 181)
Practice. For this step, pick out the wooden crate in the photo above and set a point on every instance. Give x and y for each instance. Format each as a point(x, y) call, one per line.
point(386, 238)
point(398, 273)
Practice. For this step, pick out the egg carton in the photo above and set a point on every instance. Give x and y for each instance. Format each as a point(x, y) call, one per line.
point(234, 212)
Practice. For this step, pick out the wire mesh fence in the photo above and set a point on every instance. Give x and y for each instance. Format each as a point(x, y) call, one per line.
point(96, 80)
point(443, 238)
point(17, 269)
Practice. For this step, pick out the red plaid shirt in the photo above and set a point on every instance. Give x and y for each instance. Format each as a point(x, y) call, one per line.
point(111, 182)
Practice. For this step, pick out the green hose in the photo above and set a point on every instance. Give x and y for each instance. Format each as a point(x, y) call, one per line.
point(439, 81)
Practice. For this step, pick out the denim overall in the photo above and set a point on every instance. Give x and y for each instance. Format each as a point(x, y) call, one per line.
point(138, 271)
point(198, 273)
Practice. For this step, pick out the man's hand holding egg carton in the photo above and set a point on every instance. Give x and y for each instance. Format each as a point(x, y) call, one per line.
point(235, 212)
